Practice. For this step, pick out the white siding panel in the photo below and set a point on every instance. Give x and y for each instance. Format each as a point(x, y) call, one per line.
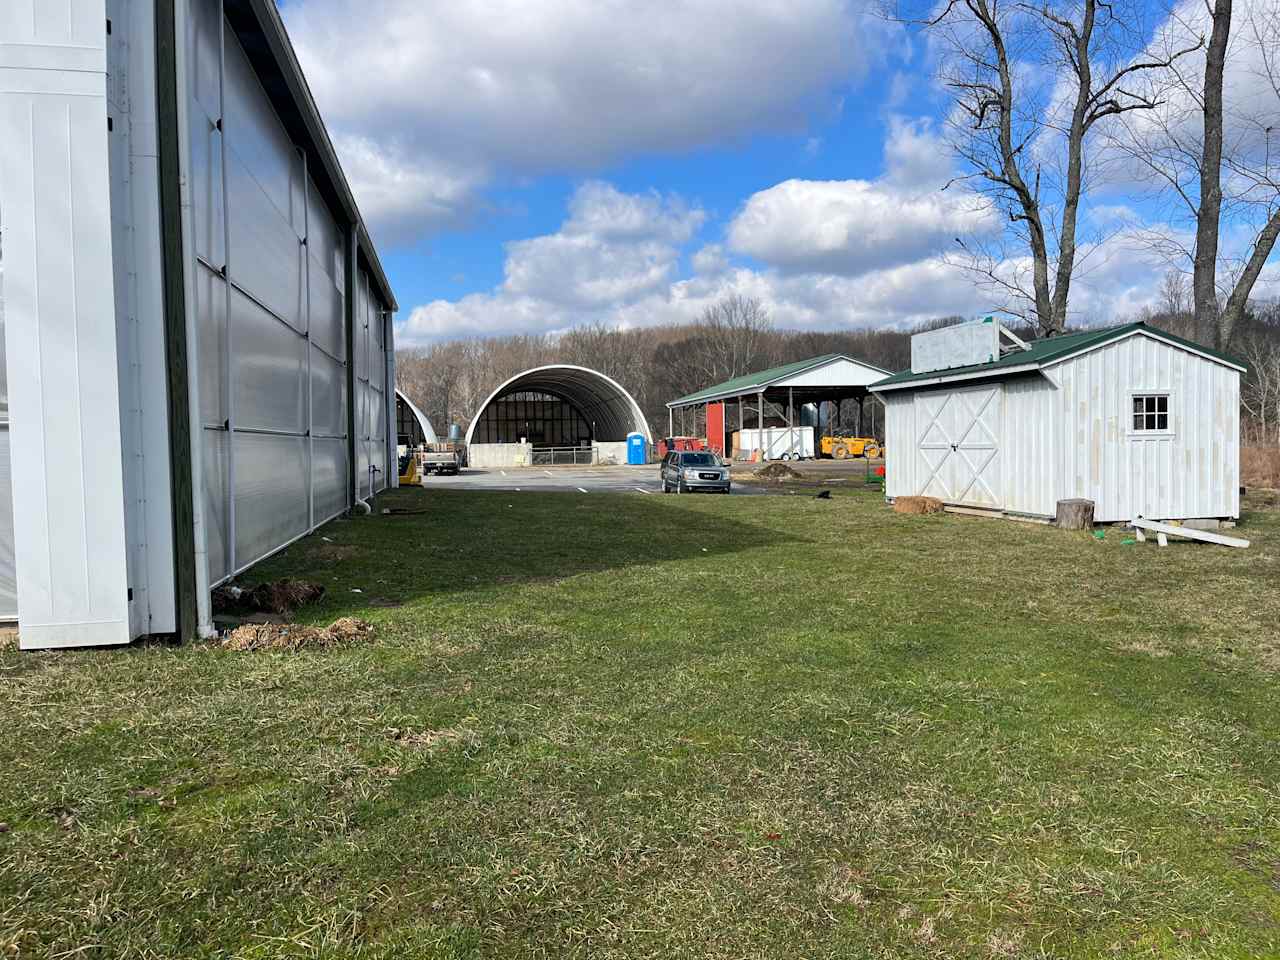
point(64, 397)
point(900, 444)
point(1193, 471)
point(1028, 455)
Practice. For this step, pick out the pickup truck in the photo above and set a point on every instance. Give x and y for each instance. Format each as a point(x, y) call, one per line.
point(440, 458)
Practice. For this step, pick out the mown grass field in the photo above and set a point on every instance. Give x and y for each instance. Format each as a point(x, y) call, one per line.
point(641, 726)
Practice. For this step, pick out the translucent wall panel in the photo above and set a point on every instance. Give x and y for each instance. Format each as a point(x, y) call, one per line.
point(328, 395)
point(269, 370)
point(271, 491)
point(258, 138)
point(204, 59)
point(211, 324)
point(216, 513)
point(329, 477)
point(266, 255)
point(327, 328)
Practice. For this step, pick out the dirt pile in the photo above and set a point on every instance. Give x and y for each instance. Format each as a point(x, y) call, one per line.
point(281, 597)
point(917, 505)
point(296, 636)
point(776, 472)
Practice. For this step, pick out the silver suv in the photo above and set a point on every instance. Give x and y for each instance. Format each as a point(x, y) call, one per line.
point(686, 471)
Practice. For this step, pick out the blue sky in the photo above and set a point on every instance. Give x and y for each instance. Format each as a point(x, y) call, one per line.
point(529, 165)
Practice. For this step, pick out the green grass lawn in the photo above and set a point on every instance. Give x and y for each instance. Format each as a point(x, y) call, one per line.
point(642, 726)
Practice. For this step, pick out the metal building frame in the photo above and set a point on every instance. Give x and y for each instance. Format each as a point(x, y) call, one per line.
point(103, 297)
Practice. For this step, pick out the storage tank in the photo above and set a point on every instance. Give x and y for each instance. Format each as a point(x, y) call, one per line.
point(637, 448)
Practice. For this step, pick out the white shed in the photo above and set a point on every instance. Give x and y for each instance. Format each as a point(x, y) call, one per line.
point(1141, 422)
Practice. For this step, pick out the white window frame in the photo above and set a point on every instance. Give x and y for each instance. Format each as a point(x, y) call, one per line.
point(1138, 433)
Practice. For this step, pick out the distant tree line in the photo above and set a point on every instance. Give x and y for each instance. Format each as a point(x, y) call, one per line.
point(449, 380)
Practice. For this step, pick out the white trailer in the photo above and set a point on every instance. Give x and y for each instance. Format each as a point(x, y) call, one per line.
point(779, 443)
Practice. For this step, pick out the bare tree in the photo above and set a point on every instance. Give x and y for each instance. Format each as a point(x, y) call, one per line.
point(1199, 135)
point(1174, 298)
point(735, 333)
point(1029, 83)
point(1260, 391)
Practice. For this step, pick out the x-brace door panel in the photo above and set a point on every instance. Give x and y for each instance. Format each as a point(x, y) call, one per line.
point(958, 447)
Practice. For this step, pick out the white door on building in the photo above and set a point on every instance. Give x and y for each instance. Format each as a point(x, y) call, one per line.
point(958, 447)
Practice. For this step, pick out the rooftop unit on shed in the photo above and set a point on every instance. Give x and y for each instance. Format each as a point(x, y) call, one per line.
point(1141, 422)
point(197, 328)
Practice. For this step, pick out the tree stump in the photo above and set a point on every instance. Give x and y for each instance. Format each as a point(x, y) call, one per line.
point(1075, 514)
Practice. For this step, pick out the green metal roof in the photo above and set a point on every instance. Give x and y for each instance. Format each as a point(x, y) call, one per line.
point(755, 382)
point(1048, 349)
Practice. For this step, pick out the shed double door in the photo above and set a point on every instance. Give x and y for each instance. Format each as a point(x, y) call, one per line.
point(958, 445)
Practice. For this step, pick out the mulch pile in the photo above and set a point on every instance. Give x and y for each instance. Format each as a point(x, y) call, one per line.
point(917, 505)
point(777, 472)
point(296, 636)
point(278, 596)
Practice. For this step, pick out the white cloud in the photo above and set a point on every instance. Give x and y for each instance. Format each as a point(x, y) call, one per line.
point(403, 196)
point(613, 248)
point(612, 251)
point(615, 259)
point(850, 227)
point(470, 91)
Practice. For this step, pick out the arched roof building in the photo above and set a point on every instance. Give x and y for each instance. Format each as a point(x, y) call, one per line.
point(556, 407)
point(412, 425)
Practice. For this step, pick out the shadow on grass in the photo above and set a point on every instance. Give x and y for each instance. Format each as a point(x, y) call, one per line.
point(440, 542)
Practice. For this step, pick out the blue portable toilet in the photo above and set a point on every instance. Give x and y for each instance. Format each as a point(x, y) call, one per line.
point(637, 448)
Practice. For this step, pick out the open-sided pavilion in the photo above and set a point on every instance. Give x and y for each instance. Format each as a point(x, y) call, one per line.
point(829, 379)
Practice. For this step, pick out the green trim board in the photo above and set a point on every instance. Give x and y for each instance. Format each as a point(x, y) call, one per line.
point(755, 382)
point(1047, 350)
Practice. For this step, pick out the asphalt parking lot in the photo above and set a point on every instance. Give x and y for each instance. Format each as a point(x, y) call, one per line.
point(626, 479)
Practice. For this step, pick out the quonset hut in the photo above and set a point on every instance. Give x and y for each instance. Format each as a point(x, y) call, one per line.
point(555, 414)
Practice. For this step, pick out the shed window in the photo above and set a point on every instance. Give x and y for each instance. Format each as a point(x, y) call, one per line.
point(1150, 412)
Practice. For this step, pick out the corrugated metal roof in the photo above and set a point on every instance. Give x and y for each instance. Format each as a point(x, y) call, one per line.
point(755, 382)
point(1048, 349)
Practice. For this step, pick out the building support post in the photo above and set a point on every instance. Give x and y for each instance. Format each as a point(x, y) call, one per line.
point(349, 321)
point(791, 431)
point(764, 447)
point(178, 378)
point(671, 422)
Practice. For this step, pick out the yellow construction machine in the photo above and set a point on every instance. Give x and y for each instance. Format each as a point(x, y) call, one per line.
point(842, 448)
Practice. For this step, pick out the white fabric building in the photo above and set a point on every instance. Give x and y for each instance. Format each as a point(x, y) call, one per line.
point(1141, 422)
point(197, 327)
